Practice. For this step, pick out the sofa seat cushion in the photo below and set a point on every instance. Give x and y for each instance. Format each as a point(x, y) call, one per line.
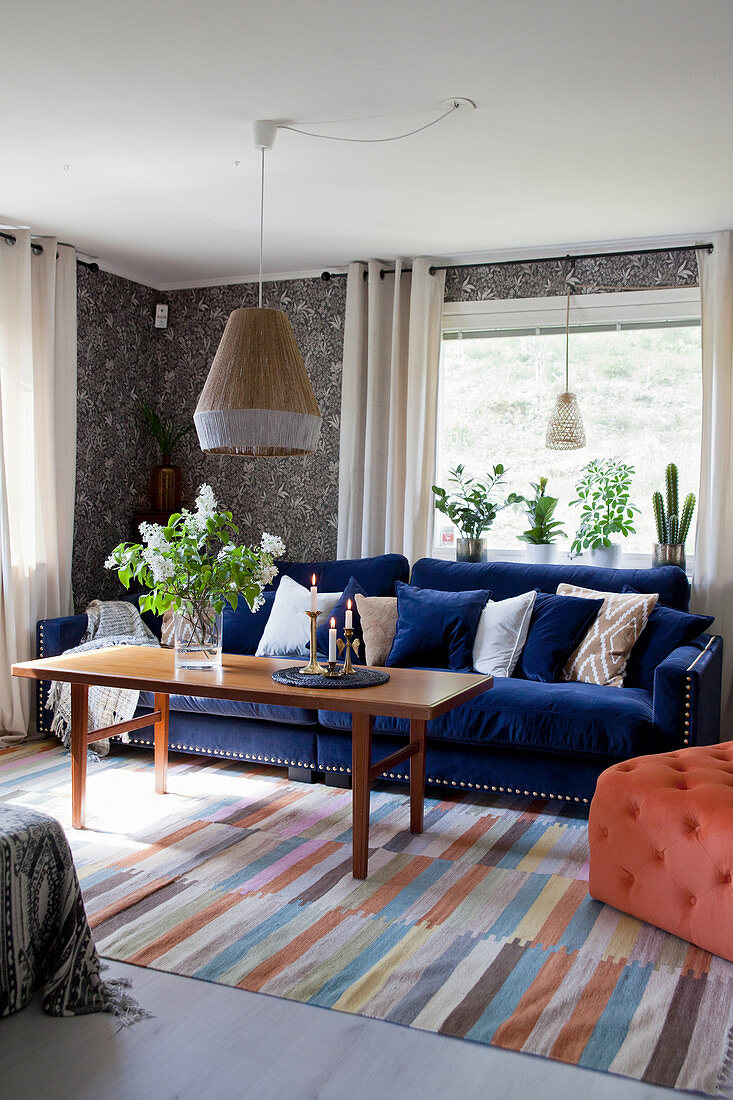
point(229, 708)
point(569, 718)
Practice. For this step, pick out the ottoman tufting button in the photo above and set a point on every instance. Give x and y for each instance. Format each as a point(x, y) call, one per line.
point(604, 830)
point(660, 855)
point(693, 901)
point(728, 878)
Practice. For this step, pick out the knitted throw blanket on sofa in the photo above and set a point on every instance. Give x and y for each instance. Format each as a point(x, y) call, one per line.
point(109, 623)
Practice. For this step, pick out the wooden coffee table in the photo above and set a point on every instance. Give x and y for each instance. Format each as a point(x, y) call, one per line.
point(416, 694)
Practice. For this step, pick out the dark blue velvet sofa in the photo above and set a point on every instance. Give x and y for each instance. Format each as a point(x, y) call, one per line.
point(535, 739)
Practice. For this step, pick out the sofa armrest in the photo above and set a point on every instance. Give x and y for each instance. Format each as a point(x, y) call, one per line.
point(54, 636)
point(687, 689)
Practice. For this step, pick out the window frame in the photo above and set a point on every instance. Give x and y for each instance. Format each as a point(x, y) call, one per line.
point(640, 308)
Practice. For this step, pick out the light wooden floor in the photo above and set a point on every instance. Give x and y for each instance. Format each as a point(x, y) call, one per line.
point(214, 1041)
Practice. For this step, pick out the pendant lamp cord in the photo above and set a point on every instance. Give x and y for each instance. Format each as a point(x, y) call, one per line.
point(567, 344)
point(374, 141)
point(262, 217)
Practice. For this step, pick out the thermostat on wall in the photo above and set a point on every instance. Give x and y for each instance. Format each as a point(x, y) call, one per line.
point(161, 316)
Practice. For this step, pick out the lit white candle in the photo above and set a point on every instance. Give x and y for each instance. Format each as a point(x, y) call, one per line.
point(314, 594)
point(347, 620)
point(332, 642)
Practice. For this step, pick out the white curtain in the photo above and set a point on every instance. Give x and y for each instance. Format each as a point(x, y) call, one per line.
point(712, 586)
point(389, 409)
point(37, 451)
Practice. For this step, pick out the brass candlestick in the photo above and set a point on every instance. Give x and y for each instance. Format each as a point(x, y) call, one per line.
point(333, 671)
point(346, 647)
point(313, 668)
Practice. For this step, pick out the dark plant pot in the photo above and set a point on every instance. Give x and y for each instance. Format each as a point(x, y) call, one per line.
point(166, 486)
point(470, 549)
point(669, 554)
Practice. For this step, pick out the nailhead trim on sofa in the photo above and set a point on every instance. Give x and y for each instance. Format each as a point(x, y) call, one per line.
point(233, 755)
point(41, 726)
point(688, 695)
point(473, 786)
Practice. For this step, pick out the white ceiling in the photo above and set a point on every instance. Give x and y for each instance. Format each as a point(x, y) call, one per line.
point(597, 120)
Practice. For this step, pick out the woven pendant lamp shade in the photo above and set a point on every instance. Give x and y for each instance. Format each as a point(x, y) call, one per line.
point(257, 399)
point(565, 431)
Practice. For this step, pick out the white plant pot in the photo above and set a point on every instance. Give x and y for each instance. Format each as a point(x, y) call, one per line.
point(606, 557)
point(540, 553)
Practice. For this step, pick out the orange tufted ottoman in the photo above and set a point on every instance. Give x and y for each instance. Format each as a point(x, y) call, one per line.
point(661, 843)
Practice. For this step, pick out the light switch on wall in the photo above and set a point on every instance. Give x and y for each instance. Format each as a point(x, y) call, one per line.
point(161, 316)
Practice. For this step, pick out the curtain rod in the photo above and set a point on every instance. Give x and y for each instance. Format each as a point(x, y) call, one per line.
point(10, 238)
point(327, 276)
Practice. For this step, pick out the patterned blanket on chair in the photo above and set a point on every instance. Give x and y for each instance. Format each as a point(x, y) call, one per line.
point(45, 940)
point(109, 623)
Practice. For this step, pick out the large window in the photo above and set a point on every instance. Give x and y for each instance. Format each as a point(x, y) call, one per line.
point(635, 367)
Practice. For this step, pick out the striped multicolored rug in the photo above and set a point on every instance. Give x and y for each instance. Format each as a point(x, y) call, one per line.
point(481, 928)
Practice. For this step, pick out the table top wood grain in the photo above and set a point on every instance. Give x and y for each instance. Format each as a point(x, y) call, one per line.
point(409, 693)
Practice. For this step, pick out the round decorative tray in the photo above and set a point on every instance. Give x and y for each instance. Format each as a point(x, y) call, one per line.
point(359, 678)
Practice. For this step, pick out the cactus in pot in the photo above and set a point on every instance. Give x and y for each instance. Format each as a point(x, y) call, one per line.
point(686, 518)
point(672, 525)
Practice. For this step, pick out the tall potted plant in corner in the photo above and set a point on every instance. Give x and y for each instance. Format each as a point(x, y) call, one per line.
point(472, 507)
point(673, 526)
point(166, 480)
point(603, 492)
point(543, 530)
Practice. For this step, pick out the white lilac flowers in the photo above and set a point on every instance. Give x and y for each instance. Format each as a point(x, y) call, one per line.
point(193, 561)
point(272, 545)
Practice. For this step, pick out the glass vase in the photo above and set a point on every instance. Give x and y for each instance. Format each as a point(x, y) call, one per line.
point(197, 637)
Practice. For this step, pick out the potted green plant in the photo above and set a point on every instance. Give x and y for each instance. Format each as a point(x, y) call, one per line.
point(166, 480)
point(472, 507)
point(191, 566)
point(603, 492)
point(544, 529)
point(673, 526)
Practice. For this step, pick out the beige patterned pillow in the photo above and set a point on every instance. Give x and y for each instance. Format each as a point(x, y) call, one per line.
point(167, 630)
point(378, 616)
point(602, 655)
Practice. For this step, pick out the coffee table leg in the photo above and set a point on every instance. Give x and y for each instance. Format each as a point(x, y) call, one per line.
point(161, 703)
point(79, 727)
point(418, 729)
point(361, 759)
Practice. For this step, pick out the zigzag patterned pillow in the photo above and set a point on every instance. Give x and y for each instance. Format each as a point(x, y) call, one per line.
point(602, 655)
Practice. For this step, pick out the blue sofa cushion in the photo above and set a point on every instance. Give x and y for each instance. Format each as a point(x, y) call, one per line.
point(237, 708)
point(557, 627)
point(665, 631)
point(338, 613)
point(506, 578)
point(377, 575)
point(436, 629)
point(241, 629)
point(572, 718)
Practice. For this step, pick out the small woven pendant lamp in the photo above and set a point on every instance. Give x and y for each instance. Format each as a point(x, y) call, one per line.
point(257, 398)
point(565, 431)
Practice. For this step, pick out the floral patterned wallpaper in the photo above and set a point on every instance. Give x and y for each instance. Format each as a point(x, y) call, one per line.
point(124, 360)
point(549, 278)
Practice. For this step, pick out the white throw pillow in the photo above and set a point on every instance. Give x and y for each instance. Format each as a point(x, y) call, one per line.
point(287, 632)
point(502, 632)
